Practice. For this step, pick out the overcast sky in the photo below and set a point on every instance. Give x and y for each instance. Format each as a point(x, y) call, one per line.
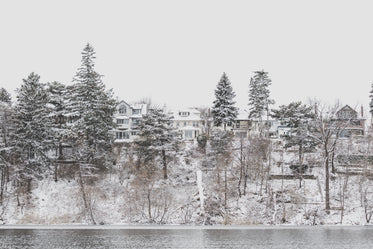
point(176, 51)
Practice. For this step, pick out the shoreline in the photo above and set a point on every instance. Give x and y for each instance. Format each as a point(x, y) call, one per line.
point(171, 227)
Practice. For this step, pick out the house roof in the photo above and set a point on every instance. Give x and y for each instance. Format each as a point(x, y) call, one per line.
point(193, 115)
point(346, 108)
point(242, 115)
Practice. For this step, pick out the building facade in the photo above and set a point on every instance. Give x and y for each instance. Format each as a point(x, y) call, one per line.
point(351, 122)
point(127, 119)
point(188, 122)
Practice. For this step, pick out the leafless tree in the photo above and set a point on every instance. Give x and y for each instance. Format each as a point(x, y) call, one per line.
point(327, 131)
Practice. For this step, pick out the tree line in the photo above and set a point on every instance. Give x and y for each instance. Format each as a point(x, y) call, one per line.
point(51, 124)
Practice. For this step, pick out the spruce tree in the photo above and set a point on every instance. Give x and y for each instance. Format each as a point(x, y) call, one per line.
point(58, 98)
point(224, 110)
point(5, 96)
point(32, 137)
point(259, 100)
point(6, 129)
point(92, 108)
point(157, 139)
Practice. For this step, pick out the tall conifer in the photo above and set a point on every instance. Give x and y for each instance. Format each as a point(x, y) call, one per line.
point(92, 108)
point(32, 138)
point(224, 110)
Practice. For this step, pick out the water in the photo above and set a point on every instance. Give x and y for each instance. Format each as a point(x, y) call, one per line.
point(188, 237)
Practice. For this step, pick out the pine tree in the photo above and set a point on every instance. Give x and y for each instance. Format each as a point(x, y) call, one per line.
point(32, 138)
point(224, 110)
point(58, 95)
point(6, 128)
point(300, 119)
point(92, 108)
point(156, 139)
point(259, 100)
point(5, 96)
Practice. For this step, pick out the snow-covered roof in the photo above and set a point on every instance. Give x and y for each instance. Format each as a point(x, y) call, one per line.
point(242, 115)
point(189, 114)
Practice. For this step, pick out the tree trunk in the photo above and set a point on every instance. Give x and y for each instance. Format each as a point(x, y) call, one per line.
point(55, 172)
point(164, 159)
point(2, 185)
point(149, 205)
point(241, 169)
point(327, 189)
point(225, 189)
point(333, 168)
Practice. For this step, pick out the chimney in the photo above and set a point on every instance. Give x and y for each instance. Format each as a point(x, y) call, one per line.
point(362, 111)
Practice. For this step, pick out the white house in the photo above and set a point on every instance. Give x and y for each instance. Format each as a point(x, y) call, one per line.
point(188, 122)
point(127, 117)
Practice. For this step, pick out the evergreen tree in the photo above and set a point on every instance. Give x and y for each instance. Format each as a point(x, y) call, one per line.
point(259, 100)
point(156, 139)
point(58, 95)
point(32, 138)
point(6, 129)
point(92, 108)
point(300, 119)
point(224, 110)
point(5, 96)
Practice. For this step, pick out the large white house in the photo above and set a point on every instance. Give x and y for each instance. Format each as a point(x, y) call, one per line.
point(188, 122)
point(127, 118)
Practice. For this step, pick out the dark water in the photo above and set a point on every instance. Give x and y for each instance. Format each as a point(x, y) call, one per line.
point(272, 237)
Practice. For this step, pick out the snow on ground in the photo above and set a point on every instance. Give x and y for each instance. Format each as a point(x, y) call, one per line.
point(184, 199)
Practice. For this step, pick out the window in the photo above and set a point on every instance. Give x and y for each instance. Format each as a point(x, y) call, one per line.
point(184, 114)
point(122, 135)
point(188, 134)
point(122, 121)
point(136, 111)
point(185, 123)
point(135, 121)
point(122, 109)
point(133, 133)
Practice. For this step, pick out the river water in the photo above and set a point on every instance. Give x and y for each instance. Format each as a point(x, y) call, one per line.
point(186, 237)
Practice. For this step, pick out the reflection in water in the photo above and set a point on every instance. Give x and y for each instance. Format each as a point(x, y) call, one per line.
point(271, 237)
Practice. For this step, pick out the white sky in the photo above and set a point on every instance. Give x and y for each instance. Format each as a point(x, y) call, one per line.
point(176, 51)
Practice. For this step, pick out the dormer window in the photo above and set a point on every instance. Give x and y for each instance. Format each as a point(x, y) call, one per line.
point(184, 114)
point(122, 109)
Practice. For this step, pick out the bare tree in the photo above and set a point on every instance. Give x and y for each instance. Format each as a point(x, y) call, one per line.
point(327, 131)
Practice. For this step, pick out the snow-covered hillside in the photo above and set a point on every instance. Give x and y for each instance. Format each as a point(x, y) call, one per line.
point(193, 194)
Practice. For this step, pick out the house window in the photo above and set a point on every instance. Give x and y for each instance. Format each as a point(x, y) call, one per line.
point(120, 121)
point(188, 134)
point(136, 111)
point(185, 123)
point(122, 109)
point(184, 114)
point(135, 121)
point(122, 135)
point(133, 133)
